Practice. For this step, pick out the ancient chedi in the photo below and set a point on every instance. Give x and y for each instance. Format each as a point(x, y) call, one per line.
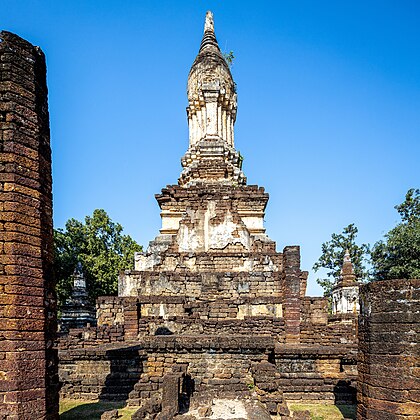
point(213, 271)
point(77, 311)
point(212, 309)
point(212, 249)
point(212, 222)
point(345, 294)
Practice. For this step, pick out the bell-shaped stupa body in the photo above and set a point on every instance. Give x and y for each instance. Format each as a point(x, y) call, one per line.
point(211, 156)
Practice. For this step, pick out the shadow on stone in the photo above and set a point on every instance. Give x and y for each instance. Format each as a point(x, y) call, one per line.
point(186, 392)
point(344, 393)
point(125, 370)
point(345, 399)
point(348, 411)
point(91, 411)
point(163, 331)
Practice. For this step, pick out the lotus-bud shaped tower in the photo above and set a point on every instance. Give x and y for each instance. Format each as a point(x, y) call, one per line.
point(211, 111)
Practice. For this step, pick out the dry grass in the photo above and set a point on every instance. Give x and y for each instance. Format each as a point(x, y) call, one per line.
point(326, 412)
point(92, 410)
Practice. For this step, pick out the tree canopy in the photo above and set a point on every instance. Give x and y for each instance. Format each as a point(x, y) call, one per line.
point(397, 256)
point(332, 257)
point(99, 245)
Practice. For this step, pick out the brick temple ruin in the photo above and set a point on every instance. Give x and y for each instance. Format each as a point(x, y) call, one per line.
point(213, 322)
point(211, 309)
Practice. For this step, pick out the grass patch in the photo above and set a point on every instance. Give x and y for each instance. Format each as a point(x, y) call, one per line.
point(92, 410)
point(326, 411)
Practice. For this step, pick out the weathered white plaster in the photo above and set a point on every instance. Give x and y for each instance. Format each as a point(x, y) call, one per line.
point(222, 234)
point(144, 261)
point(169, 264)
point(205, 234)
point(260, 309)
point(188, 239)
point(170, 221)
point(345, 300)
point(160, 309)
point(211, 126)
point(254, 223)
point(79, 282)
point(127, 285)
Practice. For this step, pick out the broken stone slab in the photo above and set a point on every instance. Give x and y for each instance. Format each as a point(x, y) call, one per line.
point(149, 409)
point(229, 409)
point(110, 415)
point(302, 415)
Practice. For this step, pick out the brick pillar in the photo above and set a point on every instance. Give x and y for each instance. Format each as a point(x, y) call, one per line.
point(388, 384)
point(292, 290)
point(28, 362)
point(131, 318)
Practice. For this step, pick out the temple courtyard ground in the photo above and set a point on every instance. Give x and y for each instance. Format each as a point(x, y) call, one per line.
point(75, 410)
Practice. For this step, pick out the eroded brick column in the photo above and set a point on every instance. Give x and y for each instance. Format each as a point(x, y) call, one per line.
point(388, 366)
point(28, 362)
point(291, 290)
point(131, 318)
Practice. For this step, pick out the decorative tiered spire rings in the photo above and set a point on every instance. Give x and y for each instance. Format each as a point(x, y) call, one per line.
point(211, 156)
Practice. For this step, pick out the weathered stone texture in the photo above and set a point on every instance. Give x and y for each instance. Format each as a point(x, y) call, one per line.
point(28, 363)
point(317, 373)
point(90, 336)
point(389, 350)
point(105, 373)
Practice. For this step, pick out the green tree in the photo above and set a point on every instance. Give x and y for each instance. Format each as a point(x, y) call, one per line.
point(397, 256)
point(101, 248)
point(332, 257)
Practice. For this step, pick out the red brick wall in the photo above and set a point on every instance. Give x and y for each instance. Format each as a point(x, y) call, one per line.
point(28, 363)
point(389, 351)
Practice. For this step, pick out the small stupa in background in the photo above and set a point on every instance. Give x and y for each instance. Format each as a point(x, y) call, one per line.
point(345, 294)
point(78, 312)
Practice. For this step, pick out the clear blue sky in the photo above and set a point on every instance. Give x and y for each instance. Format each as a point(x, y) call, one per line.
point(328, 107)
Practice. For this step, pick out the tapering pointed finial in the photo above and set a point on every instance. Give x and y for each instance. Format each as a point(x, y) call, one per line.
point(209, 38)
point(347, 270)
point(209, 23)
point(211, 157)
point(347, 256)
